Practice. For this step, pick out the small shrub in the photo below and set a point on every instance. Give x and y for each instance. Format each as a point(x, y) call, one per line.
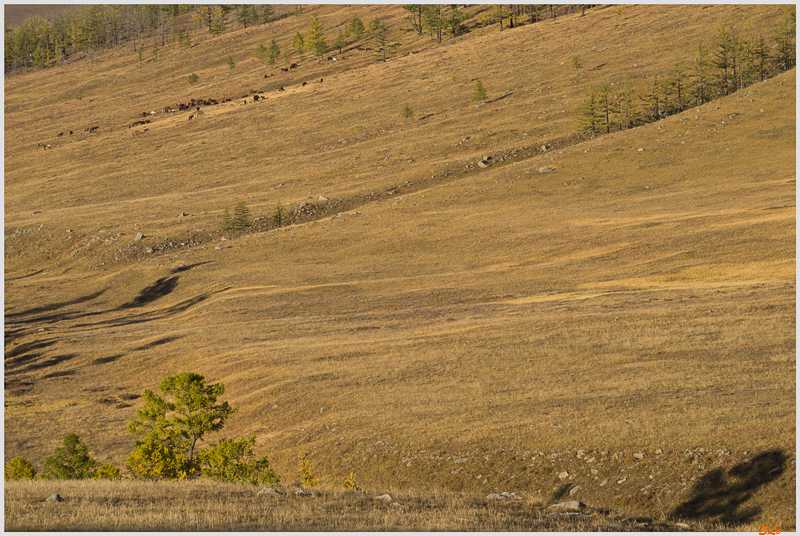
point(193, 78)
point(20, 469)
point(407, 112)
point(151, 460)
point(307, 473)
point(107, 472)
point(231, 63)
point(233, 461)
point(479, 93)
point(350, 483)
point(280, 216)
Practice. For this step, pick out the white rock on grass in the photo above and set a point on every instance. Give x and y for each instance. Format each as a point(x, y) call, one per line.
point(54, 498)
point(573, 506)
point(385, 498)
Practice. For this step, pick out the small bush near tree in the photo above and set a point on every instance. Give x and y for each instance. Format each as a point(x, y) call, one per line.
point(107, 472)
point(193, 78)
point(70, 461)
point(231, 63)
point(241, 216)
point(79, 94)
point(19, 469)
point(154, 461)
point(227, 220)
point(233, 461)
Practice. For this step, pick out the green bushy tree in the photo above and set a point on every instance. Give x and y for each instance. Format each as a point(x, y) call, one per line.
point(407, 112)
point(172, 422)
point(193, 78)
point(19, 469)
point(261, 51)
point(70, 461)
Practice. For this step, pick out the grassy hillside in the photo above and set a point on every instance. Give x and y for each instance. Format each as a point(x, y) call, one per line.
point(433, 323)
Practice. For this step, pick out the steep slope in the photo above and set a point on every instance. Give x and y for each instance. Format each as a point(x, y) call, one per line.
point(434, 322)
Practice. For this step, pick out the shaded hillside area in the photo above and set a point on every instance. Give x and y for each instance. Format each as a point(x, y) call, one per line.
point(473, 297)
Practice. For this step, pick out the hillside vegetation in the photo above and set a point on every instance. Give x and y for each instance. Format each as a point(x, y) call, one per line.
point(608, 319)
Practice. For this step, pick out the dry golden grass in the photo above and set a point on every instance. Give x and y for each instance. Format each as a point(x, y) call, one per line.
point(627, 302)
point(163, 507)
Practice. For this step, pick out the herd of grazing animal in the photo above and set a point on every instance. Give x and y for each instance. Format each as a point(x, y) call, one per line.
point(193, 103)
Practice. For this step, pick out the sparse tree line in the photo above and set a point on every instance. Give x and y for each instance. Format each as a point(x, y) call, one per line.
point(732, 62)
point(167, 431)
point(41, 42)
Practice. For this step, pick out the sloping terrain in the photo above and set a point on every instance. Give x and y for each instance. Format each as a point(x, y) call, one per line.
point(626, 318)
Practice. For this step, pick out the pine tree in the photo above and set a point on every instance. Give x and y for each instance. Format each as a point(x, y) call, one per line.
point(298, 42)
point(700, 89)
point(241, 216)
point(315, 39)
point(676, 94)
point(407, 112)
point(280, 216)
point(654, 98)
point(479, 93)
point(379, 36)
point(786, 55)
point(70, 461)
point(341, 41)
point(261, 51)
point(355, 28)
point(723, 59)
point(758, 54)
point(231, 63)
point(589, 114)
point(266, 14)
point(454, 20)
point(227, 220)
point(625, 105)
point(575, 61)
point(273, 52)
point(416, 12)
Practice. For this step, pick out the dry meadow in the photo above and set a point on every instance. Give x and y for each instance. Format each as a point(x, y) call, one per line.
point(627, 318)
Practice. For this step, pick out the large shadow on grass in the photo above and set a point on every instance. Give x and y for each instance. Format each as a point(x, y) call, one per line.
point(722, 496)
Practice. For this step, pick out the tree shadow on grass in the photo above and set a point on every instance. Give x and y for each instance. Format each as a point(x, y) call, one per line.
point(722, 496)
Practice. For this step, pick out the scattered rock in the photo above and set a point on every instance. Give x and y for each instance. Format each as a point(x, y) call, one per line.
point(545, 170)
point(573, 506)
point(148, 250)
point(639, 456)
point(302, 492)
point(222, 246)
point(35, 212)
point(574, 490)
point(323, 198)
point(563, 475)
point(545, 148)
point(385, 498)
point(69, 230)
point(54, 498)
point(269, 491)
point(683, 526)
point(621, 481)
point(483, 164)
point(505, 495)
point(138, 237)
point(182, 215)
